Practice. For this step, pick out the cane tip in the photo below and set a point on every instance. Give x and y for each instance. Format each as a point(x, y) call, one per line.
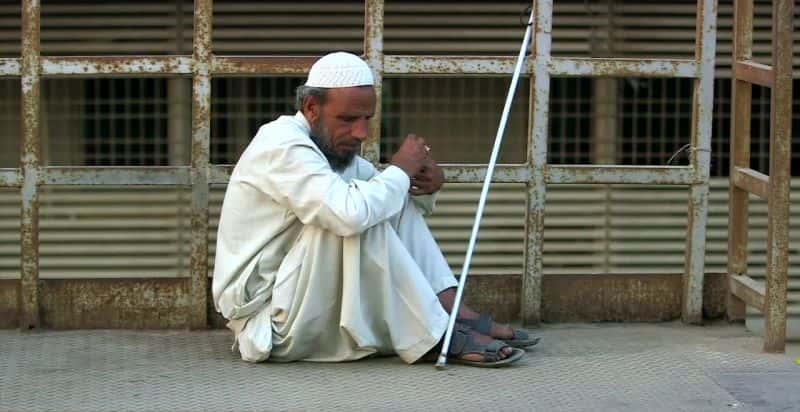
point(441, 363)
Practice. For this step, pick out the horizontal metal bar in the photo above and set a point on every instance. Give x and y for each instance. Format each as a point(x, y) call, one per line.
point(262, 65)
point(748, 290)
point(462, 173)
point(117, 65)
point(10, 178)
point(455, 173)
point(9, 67)
point(751, 181)
point(753, 72)
point(600, 174)
point(431, 65)
point(122, 176)
point(220, 174)
point(563, 67)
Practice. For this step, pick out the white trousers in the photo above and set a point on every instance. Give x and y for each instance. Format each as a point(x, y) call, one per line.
point(341, 299)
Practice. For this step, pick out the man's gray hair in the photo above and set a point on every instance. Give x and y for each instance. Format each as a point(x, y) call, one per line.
point(304, 91)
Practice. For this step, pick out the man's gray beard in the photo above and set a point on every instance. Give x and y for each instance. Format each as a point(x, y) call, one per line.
point(338, 162)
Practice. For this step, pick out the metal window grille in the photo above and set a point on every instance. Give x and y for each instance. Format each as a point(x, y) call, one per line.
point(202, 66)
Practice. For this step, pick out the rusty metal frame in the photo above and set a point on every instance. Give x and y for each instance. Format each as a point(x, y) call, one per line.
point(743, 290)
point(202, 65)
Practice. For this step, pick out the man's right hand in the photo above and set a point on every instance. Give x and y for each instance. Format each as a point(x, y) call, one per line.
point(411, 155)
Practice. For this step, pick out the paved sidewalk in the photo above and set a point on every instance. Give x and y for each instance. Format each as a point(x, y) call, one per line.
point(605, 367)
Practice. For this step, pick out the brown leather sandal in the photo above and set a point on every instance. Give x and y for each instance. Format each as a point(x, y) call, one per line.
point(463, 343)
point(483, 325)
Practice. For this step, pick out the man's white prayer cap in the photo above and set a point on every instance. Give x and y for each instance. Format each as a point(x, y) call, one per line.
point(340, 69)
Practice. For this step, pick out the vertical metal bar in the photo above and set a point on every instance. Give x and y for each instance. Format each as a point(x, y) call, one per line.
point(201, 135)
point(702, 112)
point(779, 178)
point(604, 150)
point(738, 203)
point(373, 53)
point(604, 121)
point(531, 304)
point(29, 160)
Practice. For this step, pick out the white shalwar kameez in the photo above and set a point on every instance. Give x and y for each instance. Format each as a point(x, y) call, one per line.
point(317, 265)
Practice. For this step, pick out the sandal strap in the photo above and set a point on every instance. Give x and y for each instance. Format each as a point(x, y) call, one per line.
point(520, 334)
point(460, 339)
point(492, 351)
point(483, 324)
point(462, 343)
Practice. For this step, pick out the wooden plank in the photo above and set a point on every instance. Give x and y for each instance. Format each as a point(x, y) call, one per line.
point(738, 200)
point(751, 181)
point(780, 158)
point(755, 73)
point(748, 290)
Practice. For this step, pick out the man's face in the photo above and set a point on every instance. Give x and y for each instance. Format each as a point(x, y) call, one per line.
point(339, 125)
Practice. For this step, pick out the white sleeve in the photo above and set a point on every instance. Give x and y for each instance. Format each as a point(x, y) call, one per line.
point(425, 203)
point(300, 179)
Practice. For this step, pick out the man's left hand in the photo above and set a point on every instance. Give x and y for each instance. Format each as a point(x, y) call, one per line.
point(429, 179)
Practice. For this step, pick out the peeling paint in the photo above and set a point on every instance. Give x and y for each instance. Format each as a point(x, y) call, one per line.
point(537, 162)
point(623, 67)
point(601, 174)
point(10, 178)
point(9, 67)
point(29, 161)
point(200, 157)
point(98, 65)
point(373, 54)
point(466, 65)
point(141, 176)
point(477, 173)
point(700, 161)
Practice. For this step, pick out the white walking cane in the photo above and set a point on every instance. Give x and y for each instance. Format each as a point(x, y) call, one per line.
point(440, 363)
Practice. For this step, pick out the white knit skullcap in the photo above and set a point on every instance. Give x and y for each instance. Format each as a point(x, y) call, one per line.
point(340, 69)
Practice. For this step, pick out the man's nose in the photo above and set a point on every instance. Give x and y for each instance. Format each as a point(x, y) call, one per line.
point(360, 130)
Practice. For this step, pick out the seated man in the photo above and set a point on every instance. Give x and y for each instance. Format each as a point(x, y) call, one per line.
point(321, 257)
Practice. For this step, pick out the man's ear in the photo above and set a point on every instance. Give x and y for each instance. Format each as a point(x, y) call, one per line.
point(311, 108)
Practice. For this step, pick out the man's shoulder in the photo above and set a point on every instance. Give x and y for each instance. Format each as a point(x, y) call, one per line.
point(283, 131)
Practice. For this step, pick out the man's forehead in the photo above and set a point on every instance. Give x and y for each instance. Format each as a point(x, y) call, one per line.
point(351, 95)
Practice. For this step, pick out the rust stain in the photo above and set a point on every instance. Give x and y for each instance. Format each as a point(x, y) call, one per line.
point(9, 303)
point(115, 303)
point(625, 298)
point(10, 178)
point(117, 175)
point(622, 67)
point(779, 178)
point(583, 174)
point(433, 65)
point(201, 136)
point(116, 65)
point(373, 54)
point(165, 303)
point(262, 65)
point(477, 173)
point(29, 159)
point(9, 67)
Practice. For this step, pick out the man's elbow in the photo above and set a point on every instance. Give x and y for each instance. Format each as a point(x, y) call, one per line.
point(352, 226)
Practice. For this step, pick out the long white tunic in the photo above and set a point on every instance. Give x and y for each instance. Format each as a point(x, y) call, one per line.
point(317, 265)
